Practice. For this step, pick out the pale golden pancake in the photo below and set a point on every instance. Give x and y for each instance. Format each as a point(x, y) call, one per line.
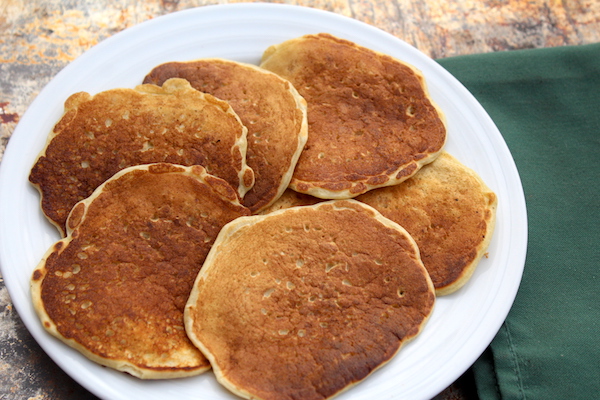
point(299, 304)
point(269, 106)
point(371, 120)
point(449, 211)
point(291, 198)
point(116, 286)
point(102, 134)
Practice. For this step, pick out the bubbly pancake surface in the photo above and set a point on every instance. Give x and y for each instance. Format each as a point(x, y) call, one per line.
point(307, 301)
point(449, 211)
point(371, 120)
point(102, 134)
point(269, 106)
point(115, 288)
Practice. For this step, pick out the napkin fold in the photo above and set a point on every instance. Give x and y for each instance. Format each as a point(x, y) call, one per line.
point(546, 104)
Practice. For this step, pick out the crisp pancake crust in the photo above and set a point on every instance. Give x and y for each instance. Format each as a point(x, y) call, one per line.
point(449, 211)
point(116, 286)
point(371, 120)
point(269, 106)
point(102, 134)
point(307, 301)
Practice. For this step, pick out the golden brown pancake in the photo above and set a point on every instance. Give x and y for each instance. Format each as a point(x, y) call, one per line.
point(371, 120)
point(102, 134)
point(299, 304)
point(449, 211)
point(116, 286)
point(269, 106)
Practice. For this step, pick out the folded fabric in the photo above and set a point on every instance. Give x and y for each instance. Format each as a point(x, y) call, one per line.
point(546, 104)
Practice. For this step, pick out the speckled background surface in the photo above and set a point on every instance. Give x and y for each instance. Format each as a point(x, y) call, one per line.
point(38, 38)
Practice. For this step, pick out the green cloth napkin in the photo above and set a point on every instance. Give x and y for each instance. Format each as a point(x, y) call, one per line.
point(546, 104)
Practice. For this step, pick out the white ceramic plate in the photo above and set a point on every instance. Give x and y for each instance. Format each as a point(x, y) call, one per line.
point(462, 325)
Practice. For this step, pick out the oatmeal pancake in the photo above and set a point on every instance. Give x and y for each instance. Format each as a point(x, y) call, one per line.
point(101, 134)
point(371, 121)
point(268, 105)
point(115, 288)
point(301, 304)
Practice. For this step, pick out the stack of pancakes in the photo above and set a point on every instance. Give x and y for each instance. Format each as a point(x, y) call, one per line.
point(288, 224)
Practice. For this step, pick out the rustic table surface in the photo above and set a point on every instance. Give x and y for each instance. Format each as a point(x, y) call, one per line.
point(39, 37)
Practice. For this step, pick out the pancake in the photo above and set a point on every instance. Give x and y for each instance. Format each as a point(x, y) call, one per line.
point(371, 121)
point(449, 211)
point(446, 207)
point(291, 198)
point(269, 106)
point(299, 304)
point(115, 288)
point(102, 134)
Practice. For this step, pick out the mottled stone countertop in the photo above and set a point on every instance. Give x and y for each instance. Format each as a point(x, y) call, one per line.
point(39, 37)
